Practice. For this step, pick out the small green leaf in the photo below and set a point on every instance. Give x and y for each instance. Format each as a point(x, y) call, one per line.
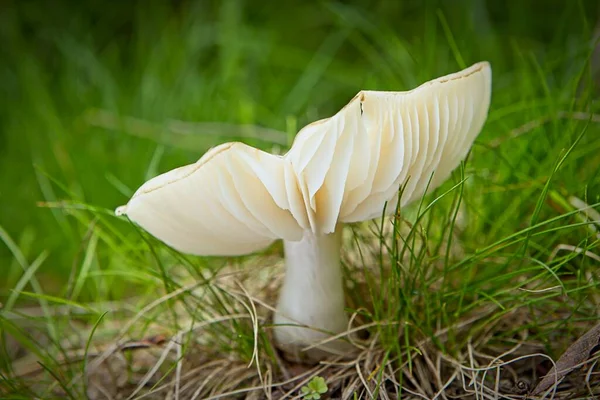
point(319, 385)
point(314, 389)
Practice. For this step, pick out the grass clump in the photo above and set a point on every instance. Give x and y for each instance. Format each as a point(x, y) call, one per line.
point(474, 292)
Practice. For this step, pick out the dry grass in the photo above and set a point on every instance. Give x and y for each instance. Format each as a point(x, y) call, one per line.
point(136, 353)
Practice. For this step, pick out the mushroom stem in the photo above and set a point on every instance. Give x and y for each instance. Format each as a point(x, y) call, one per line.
point(312, 296)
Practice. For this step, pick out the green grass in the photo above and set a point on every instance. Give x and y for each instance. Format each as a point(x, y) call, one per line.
point(500, 262)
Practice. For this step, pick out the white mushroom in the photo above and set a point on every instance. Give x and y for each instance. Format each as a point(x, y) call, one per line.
point(237, 199)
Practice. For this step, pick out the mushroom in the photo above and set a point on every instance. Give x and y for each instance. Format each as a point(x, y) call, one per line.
point(237, 199)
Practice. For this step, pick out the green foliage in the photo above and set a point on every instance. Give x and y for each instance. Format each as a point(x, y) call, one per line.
point(87, 114)
point(315, 388)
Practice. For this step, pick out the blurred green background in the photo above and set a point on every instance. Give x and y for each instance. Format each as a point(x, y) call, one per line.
point(96, 96)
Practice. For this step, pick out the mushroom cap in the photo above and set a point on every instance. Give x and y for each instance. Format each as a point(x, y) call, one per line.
point(237, 199)
point(351, 164)
point(232, 201)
